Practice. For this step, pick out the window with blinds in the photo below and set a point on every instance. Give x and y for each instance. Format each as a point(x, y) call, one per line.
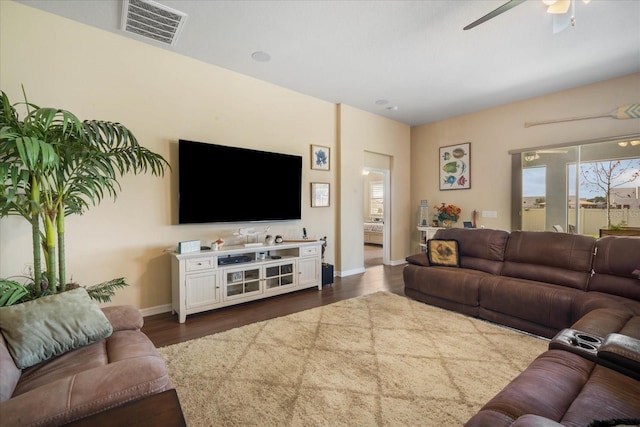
point(376, 199)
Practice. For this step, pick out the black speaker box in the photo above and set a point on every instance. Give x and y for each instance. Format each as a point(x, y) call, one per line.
point(327, 274)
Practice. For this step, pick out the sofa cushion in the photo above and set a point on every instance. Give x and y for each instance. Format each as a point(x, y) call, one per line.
point(46, 327)
point(480, 249)
point(608, 394)
point(536, 302)
point(545, 256)
point(446, 283)
point(443, 252)
point(586, 302)
point(604, 321)
point(613, 266)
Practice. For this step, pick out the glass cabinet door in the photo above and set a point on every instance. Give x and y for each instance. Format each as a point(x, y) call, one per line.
point(239, 283)
point(279, 275)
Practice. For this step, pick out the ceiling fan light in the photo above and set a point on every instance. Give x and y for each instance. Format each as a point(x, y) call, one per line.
point(549, 2)
point(559, 7)
point(531, 156)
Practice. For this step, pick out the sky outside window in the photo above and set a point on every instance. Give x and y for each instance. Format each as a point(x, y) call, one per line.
point(534, 180)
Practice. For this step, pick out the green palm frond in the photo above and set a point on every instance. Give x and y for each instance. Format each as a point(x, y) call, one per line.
point(11, 292)
point(53, 165)
point(103, 292)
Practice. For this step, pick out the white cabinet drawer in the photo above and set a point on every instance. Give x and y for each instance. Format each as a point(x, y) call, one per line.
point(310, 251)
point(197, 264)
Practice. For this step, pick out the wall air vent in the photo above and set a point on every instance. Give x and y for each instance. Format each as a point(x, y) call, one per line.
point(152, 20)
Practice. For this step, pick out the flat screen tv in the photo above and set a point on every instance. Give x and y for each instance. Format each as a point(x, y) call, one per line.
point(220, 184)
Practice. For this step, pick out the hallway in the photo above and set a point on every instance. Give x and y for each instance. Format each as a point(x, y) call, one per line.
point(372, 255)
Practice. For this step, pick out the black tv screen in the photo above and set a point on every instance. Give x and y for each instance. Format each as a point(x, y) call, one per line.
point(218, 183)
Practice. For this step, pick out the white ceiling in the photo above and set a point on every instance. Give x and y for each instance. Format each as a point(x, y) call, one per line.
point(414, 54)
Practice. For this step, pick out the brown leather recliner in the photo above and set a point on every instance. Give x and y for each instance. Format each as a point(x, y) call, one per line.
point(123, 367)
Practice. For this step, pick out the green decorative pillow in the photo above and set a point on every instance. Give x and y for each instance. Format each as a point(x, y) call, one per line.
point(443, 252)
point(49, 326)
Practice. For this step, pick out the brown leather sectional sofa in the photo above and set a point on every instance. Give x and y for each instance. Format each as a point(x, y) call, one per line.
point(581, 291)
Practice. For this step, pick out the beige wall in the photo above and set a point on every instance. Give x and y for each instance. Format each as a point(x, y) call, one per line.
point(360, 134)
point(494, 132)
point(162, 97)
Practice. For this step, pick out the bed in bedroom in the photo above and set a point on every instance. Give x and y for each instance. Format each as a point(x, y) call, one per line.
point(373, 232)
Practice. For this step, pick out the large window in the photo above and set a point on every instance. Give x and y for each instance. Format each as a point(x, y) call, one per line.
point(533, 197)
point(579, 188)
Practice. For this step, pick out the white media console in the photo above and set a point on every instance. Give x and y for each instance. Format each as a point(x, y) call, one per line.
point(209, 279)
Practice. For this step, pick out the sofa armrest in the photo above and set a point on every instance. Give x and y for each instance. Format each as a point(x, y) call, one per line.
point(418, 259)
point(124, 317)
point(88, 392)
point(621, 353)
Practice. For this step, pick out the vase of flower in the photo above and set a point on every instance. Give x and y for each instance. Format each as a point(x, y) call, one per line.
point(448, 214)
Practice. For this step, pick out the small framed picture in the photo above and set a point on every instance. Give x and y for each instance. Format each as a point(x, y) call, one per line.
point(455, 167)
point(320, 157)
point(319, 194)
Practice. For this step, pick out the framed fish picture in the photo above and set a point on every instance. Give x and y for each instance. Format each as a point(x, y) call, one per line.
point(455, 167)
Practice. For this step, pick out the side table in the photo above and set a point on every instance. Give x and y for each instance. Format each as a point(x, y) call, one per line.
point(426, 233)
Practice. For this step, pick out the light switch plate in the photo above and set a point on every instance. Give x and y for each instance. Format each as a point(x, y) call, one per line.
point(489, 214)
point(188, 246)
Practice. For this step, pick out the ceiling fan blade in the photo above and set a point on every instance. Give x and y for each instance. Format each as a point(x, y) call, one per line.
point(507, 6)
point(559, 7)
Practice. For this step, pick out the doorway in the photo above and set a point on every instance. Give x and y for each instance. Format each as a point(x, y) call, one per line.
point(375, 214)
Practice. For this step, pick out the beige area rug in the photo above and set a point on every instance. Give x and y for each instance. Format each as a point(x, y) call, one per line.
point(375, 360)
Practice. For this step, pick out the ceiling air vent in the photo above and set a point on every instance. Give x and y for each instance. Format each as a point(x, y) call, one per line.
point(152, 20)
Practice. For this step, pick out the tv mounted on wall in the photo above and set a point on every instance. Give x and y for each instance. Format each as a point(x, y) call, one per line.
point(220, 184)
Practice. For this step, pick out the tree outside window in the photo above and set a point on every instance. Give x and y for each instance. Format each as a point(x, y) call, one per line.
point(606, 176)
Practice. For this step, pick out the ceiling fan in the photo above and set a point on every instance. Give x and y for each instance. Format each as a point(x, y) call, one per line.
point(562, 11)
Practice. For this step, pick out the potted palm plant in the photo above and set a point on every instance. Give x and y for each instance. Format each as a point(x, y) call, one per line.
point(53, 165)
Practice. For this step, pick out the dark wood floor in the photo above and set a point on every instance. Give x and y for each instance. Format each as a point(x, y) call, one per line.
point(164, 329)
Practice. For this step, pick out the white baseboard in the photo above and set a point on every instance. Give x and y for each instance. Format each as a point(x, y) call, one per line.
point(159, 309)
point(350, 272)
